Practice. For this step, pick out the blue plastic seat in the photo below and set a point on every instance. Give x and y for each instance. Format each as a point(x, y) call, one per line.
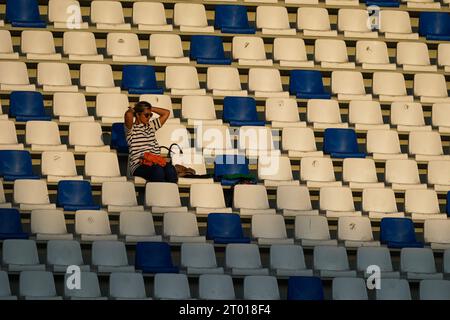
point(24, 13)
point(341, 143)
point(118, 139)
point(307, 84)
point(10, 225)
point(16, 164)
point(154, 257)
point(232, 19)
point(448, 204)
point(398, 233)
point(230, 164)
point(383, 3)
point(305, 288)
point(435, 25)
point(75, 195)
point(139, 79)
point(241, 111)
point(27, 105)
point(208, 50)
point(225, 228)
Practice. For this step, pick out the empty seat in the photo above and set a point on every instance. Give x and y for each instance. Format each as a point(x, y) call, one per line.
point(206, 49)
point(214, 202)
point(305, 288)
point(261, 288)
point(195, 161)
point(167, 48)
point(127, 285)
point(232, 19)
point(38, 45)
point(59, 165)
point(266, 82)
point(396, 25)
point(66, 14)
point(373, 55)
point(97, 78)
point(283, 112)
point(118, 139)
point(299, 142)
point(275, 171)
point(32, 194)
point(394, 289)
point(314, 22)
point(435, 25)
point(430, 87)
point(273, 20)
point(251, 199)
point(137, 226)
point(270, 229)
point(181, 227)
point(337, 202)
point(291, 52)
point(102, 167)
point(171, 286)
point(3, 203)
point(257, 141)
point(8, 138)
point(384, 145)
point(6, 47)
point(70, 107)
point(349, 289)
point(37, 285)
point(413, 56)
point(307, 84)
point(349, 85)
point(199, 110)
point(86, 136)
point(324, 113)
point(422, 4)
point(443, 56)
point(390, 86)
point(438, 174)
point(183, 80)
point(43, 136)
point(380, 203)
point(111, 107)
point(14, 76)
point(224, 81)
point(5, 289)
point(27, 105)
point(241, 111)
point(360, 173)
point(250, 51)
point(288, 260)
point(294, 200)
point(191, 17)
point(108, 15)
point(20, 255)
point(75, 195)
point(163, 197)
point(225, 166)
point(434, 290)
point(24, 14)
point(93, 225)
point(110, 256)
point(199, 258)
point(332, 262)
point(120, 196)
point(355, 23)
point(55, 76)
point(16, 164)
point(10, 224)
point(403, 174)
point(150, 16)
point(89, 288)
point(423, 204)
point(332, 53)
point(49, 224)
point(440, 117)
point(154, 257)
point(216, 287)
point(426, 146)
point(408, 116)
point(124, 47)
point(313, 230)
point(225, 228)
point(80, 46)
point(318, 172)
point(418, 264)
point(398, 233)
point(63, 253)
point(356, 232)
point(379, 256)
point(244, 259)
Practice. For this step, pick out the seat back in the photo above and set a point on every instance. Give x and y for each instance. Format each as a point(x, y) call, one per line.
point(305, 288)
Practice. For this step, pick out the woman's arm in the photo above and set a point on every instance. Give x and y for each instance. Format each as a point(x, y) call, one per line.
point(129, 117)
point(163, 114)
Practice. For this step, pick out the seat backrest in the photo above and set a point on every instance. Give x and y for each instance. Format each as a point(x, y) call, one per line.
point(293, 198)
point(365, 112)
point(437, 230)
point(182, 77)
point(136, 223)
point(64, 253)
point(242, 255)
point(190, 14)
point(305, 81)
point(127, 285)
point(239, 108)
point(223, 78)
point(42, 132)
point(323, 110)
point(10, 221)
point(22, 10)
point(138, 77)
point(104, 164)
point(422, 201)
point(122, 44)
point(425, 142)
point(250, 197)
point(74, 193)
point(349, 289)
point(414, 53)
point(434, 23)
point(282, 109)
point(289, 49)
point(13, 72)
point(330, 258)
point(214, 199)
point(419, 260)
point(216, 287)
point(347, 82)
point(379, 200)
point(5, 289)
point(305, 288)
point(434, 290)
point(109, 253)
point(316, 169)
point(371, 52)
point(272, 17)
point(206, 46)
point(87, 133)
point(430, 85)
point(92, 222)
point(48, 222)
point(198, 255)
point(89, 286)
point(383, 141)
point(311, 228)
point(171, 286)
point(367, 256)
point(395, 21)
point(15, 162)
point(31, 191)
point(64, 11)
point(162, 194)
point(407, 114)
point(121, 193)
point(107, 12)
point(224, 225)
point(111, 104)
point(394, 289)
point(180, 224)
point(26, 103)
point(268, 226)
point(198, 108)
point(96, 75)
point(264, 79)
point(359, 170)
point(310, 18)
point(71, 104)
point(354, 228)
point(40, 42)
point(153, 254)
point(6, 42)
point(402, 171)
point(149, 13)
point(389, 83)
point(37, 284)
point(251, 48)
point(256, 138)
point(275, 168)
point(230, 164)
point(118, 139)
point(76, 42)
point(330, 50)
point(397, 230)
point(354, 20)
point(261, 288)
point(298, 139)
point(8, 130)
point(166, 45)
point(20, 251)
point(53, 73)
point(230, 16)
point(287, 256)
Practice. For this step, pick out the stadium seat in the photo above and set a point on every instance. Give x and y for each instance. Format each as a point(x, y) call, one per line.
point(266, 82)
point(261, 287)
point(435, 25)
point(75, 195)
point(226, 165)
point(318, 172)
point(6, 47)
point(171, 286)
point(440, 116)
point(225, 228)
point(244, 259)
point(80, 46)
point(360, 173)
point(431, 87)
point(349, 85)
point(108, 15)
point(313, 231)
point(38, 45)
point(110, 256)
point(307, 84)
point(418, 264)
point(423, 204)
point(332, 261)
point(111, 107)
point(10, 224)
point(403, 174)
point(214, 202)
point(27, 105)
point(181, 227)
point(66, 14)
point(294, 200)
point(299, 142)
point(269, 229)
point(251, 199)
point(24, 14)
point(305, 288)
point(174, 133)
point(356, 232)
point(283, 112)
point(191, 17)
point(137, 226)
point(425, 4)
point(63, 253)
point(98, 78)
point(124, 47)
point(3, 203)
point(163, 197)
point(273, 20)
point(199, 110)
point(446, 265)
point(37, 285)
point(373, 55)
point(16, 164)
point(443, 56)
point(291, 52)
point(379, 256)
point(90, 288)
point(257, 141)
point(150, 16)
point(337, 202)
point(154, 257)
point(194, 160)
point(342, 2)
point(408, 116)
point(349, 289)
point(70, 107)
point(398, 233)
point(48, 224)
point(55, 76)
point(250, 51)
point(288, 260)
point(20, 255)
point(32, 194)
point(390, 86)
point(314, 22)
point(413, 56)
point(140, 79)
point(5, 288)
point(206, 49)
point(93, 225)
point(183, 80)
point(436, 233)
point(324, 113)
point(43, 136)
point(383, 3)
point(59, 165)
point(8, 138)
point(438, 175)
point(14, 76)
point(120, 196)
point(394, 289)
point(87, 137)
point(341, 143)
point(162, 101)
point(213, 139)
point(167, 48)
point(380, 203)
point(241, 111)
point(232, 19)
point(275, 171)
point(426, 146)
point(384, 145)
point(216, 287)
point(224, 81)
point(434, 290)
point(331, 53)
point(127, 286)
point(199, 258)
point(102, 166)
point(118, 139)
point(354, 23)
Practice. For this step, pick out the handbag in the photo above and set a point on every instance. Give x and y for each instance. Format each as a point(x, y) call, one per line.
point(151, 159)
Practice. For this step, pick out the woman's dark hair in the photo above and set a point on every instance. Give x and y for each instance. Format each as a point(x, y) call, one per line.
point(141, 106)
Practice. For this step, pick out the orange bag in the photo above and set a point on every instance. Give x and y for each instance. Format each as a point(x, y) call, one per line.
point(151, 159)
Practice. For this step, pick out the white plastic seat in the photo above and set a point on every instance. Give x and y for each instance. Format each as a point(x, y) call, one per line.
point(360, 173)
point(160, 101)
point(366, 115)
point(163, 197)
point(216, 287)
point(299, 142)
point(373, 55)
point(283, 112)
point(110, 256)
point(332, 53)
point(257, 141)
point(349, 85)
point(38, 45)
point(8, 136)
point(224, 81)
point(291, 52)
point(356, 232)
point(127, 286)
point(384, 145)
point(124, 47)
point(66, 14)
point(183, 80)
point(324, 113)
point(408, 116)
point(111, 107)
point(6, 47)
point(313, 231)
point(244, 259)
point(332, 262)
point(80, 46)
point(63, 253)
point(379, 256)
point(342, 2)
point(440, 117)
point(436, 233)
point(394, 289)
point(120, 196)
point(2, 115)
point(314, 22)
point(288, 260)
point(261, 288)
point(150, 16)
point(380, 203)
point(20, 255)
point(167, 48)
point(251, 199)
point(354, 23)
point(434, 290)
point(270, 229)
point(396, 25)
point(294, 200)
point(97, 78)
point(199, 258)
point(423, 204)
point(275, 171)
point(108, 15)
point(423, 4)
point(199, 110)
point(390, 86)
point(14, 76)
point(214, 140)
point(426, 146)
point(70, 106)
point(430, 87)
point(443, 56)
point(349, 289)
point(438, 175)
point(419, 264)
point(181, 227)
point(93, 225)
point(173, 133)
point(250, 51)
point(138, 226)
point(403, 174)
point(49, 225)
point(43, 136)
point(59, 165)
point(55, 76)
point(337, 202)
point(32, 194)
point(191, 17)
point(318, 172)
point(102, 167)
point(413, 56)
point(86, 136)
point(266, 82)
point(89, 288)
point(171, 286)
point(273, 20)
point(37, 285)
point(5, 288)
point(208, 198)
point(3, 203)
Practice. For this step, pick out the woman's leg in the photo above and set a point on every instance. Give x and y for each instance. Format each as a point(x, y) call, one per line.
point(152, 173)
point(170, 173)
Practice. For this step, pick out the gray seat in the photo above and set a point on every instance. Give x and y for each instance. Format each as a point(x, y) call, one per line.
point(37, 285)
point(349, 289)
point(199, 258)
point(380, 256)
point(434, 290)
point(216, 287)
point(127, 286)
point(288, 260)
point(393, 289)
point(21, 255)
point(64, 253)
point(332, 262)
point(244, 259)
point(171, 286)
point(446, 261)
point(419, 264)
point(261, 288)
point(89, 288)
point(110, 256)
point(5, 289)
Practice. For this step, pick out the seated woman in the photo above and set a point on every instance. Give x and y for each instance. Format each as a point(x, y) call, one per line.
point(141, 139)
